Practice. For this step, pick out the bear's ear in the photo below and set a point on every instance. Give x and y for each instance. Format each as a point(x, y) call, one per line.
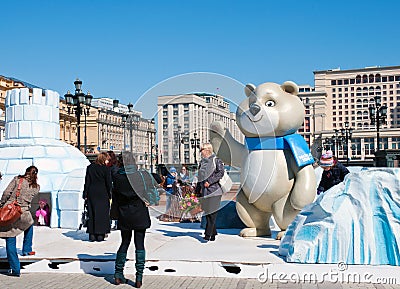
point(249, 89)
point(290, 87)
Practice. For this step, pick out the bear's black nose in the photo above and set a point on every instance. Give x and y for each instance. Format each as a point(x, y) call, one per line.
point(254, 108)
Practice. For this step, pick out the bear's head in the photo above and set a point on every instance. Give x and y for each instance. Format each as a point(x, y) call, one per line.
point(270, 110)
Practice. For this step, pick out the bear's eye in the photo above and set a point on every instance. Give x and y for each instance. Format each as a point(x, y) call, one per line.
point(270, 103)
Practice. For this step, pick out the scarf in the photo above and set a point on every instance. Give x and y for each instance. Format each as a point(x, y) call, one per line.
point(206, 168)
point(293, 142)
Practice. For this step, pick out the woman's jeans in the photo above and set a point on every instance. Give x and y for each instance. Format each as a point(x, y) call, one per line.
point(11, 249)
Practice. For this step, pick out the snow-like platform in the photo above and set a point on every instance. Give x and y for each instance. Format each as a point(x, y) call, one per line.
point(177, 249)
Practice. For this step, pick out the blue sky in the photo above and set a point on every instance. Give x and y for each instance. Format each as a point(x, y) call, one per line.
point(136, 50)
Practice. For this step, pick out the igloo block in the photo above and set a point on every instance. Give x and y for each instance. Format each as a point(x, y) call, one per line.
point(44, 113)
point(8, 98)
point(14, 97)
point(55, 115)
point(24, 96)
point(11, 130)
point(70, 219)
point(3, 165)
point(37, 97)
point(55, 218)
point(56, 152)
point(18, 112)
point(74, 184)
point(58, 180)
point(25, 129)
point(30, 112)
point(70, 200)
point(39, 128)
point(18, 166)
point(52, 98)
point(73, 164)
point(9, 114)
point(48, 166)
point(10, 153)
point(45, 182)
point(36, 151)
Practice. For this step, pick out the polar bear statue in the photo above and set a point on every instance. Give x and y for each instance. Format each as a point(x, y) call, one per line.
point(277, 177)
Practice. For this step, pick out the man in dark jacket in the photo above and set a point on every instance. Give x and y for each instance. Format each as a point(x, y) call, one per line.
point(334, 172)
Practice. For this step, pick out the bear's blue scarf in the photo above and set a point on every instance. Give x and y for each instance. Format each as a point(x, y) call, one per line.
point(294, 142)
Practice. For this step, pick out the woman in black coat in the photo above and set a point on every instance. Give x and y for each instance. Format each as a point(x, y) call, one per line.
point(133, 214)
point(97, 193)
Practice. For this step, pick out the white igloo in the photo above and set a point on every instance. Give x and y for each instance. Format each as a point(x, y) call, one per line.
point(32, 137)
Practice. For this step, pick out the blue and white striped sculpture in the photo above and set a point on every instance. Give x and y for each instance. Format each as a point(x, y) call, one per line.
point(356, 222)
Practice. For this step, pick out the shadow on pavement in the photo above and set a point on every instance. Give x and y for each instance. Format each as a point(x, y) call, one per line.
point(77, 235)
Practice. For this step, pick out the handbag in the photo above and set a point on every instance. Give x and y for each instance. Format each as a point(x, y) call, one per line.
point(225, 182)
point(84, 217)
point(11, 212)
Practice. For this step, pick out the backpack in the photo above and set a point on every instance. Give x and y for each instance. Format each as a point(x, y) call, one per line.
point(151, 194)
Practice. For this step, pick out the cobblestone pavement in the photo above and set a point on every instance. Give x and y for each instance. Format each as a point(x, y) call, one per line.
point(86, 281)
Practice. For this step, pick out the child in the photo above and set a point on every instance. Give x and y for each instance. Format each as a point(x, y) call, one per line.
point(43, 213)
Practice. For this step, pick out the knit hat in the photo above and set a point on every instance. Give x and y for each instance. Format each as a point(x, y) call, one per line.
point(326, 159)
point(172, 169)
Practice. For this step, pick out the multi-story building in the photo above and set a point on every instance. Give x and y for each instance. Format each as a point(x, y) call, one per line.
point(344, 96)
point(120, 129)
point(184, 121)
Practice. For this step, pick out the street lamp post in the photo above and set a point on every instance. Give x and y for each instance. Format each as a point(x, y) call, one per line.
point(130, 109)
point(377, 114)
point(151, 131)
point(195, 142)
point(76, 103)
point(346, 132)
point(336, 141)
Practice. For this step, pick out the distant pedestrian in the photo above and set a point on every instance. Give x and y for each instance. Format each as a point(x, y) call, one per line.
point(28, 189)
point(170, 187)
point(183, 176)
point(333, 174)
point(112, 162)
point(133, 214)
point(97, 192)
point(211, 170)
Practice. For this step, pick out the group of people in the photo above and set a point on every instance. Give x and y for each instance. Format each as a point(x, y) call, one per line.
point(111, 178)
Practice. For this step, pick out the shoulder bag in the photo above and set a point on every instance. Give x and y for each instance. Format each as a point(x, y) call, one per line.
point(225, 182)
point(11, 212)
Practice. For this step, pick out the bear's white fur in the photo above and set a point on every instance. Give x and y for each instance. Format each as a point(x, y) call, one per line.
point(271, 181)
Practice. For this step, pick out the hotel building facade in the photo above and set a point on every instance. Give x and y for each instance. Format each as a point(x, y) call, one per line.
point(184, 121)
point(341, 96)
